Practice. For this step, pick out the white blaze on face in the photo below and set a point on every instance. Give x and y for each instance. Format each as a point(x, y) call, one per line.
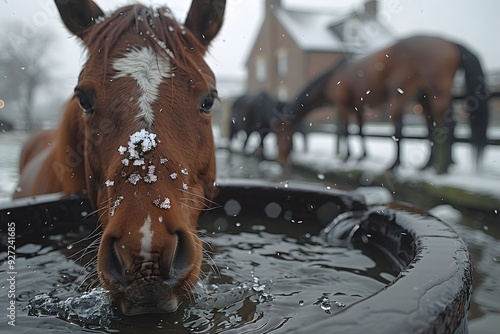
point(147, 238)
point(148, 69)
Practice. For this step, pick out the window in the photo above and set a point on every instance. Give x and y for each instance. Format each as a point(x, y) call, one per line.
point(354, 32)
point(260, 69)
point(282, 94)
point(282, 63)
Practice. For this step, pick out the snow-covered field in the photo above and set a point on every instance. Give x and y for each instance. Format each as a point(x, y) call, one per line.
point(320, 155)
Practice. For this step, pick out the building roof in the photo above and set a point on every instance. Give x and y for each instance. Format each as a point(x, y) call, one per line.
point(316, 31)
point(311, 30)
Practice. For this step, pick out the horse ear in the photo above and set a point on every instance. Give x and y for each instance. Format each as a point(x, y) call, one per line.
point(205, 18)
point(78, 15)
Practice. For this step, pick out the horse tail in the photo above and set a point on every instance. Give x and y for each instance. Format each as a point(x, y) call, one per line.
point(476, 100)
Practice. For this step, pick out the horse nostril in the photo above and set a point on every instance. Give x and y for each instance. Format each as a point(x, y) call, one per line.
point(180, 259)
point(172, 261)
point(113, 262)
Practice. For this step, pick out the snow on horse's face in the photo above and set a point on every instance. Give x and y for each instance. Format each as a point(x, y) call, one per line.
point(144, 98)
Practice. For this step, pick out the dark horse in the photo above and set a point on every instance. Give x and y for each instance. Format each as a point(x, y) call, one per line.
point(253, 113)
point(136, 136)
point(420, 66)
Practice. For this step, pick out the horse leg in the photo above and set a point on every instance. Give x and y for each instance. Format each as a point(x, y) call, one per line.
point(343, 138)
point(338, 131)
point(443, 136)
point(243, 149)
point(343, 132)
point(398, 135)
point(430, 136)
point(359, 116)
point(230, 137)
point(396, 112)
point(260, 149)
point(424, 102)
point(448, 129)
point(304, 139)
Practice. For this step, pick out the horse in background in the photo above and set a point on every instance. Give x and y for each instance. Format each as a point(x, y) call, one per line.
point(136, 136)
point(419, 66)
point(253, 113)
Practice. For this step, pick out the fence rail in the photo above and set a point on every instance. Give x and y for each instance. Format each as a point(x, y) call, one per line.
point(332, 128)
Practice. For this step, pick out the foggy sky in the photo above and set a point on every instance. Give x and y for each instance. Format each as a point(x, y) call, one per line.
point(474, 23)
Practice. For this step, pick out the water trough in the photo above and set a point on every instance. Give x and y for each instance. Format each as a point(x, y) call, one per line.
point(431, 293)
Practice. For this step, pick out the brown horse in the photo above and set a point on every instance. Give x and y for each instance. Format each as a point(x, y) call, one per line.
point(419, 66)
point(136, 137)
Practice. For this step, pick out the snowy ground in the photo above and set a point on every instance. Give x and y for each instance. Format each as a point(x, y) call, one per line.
point(319, 155)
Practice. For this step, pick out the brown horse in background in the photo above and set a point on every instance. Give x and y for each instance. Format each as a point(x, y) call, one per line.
point(419, 66)
point(136, 137)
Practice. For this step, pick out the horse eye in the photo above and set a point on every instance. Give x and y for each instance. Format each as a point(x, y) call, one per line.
point(85, 102)
point(208, 102)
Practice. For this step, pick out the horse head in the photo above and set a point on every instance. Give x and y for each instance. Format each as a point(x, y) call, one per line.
point(143, 103)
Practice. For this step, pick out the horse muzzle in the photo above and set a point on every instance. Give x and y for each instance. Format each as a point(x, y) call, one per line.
point(152, 281)
point(148, 295)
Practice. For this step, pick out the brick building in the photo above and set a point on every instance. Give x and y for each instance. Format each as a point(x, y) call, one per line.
point(293, 46)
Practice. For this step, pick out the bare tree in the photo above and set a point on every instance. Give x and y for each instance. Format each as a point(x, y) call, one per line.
point(22, 70)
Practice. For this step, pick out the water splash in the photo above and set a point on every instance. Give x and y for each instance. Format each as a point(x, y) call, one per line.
point(326, 305)
point(92, 309)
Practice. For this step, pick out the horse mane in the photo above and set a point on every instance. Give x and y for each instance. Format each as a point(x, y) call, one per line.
point(156, 26)
point(312, 96)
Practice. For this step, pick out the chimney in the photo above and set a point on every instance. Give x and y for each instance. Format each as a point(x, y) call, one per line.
point(272, 4)
point(371, 7)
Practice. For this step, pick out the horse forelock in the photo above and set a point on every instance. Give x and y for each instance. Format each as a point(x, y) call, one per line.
point(155, 28)
point(148, 45)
